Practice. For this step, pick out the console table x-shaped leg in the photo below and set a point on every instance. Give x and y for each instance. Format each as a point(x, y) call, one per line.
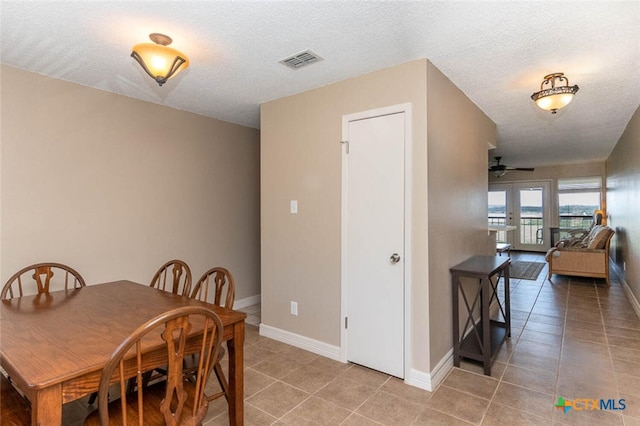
point(481, 337)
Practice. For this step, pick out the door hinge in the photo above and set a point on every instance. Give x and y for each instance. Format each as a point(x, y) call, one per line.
point(347, 144)
point(346, 322)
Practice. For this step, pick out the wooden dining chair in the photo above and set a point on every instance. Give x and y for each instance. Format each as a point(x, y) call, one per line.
point(41, 278)
point(174, 276)
point(176, 401)
point(14, 409)
point(211, 287)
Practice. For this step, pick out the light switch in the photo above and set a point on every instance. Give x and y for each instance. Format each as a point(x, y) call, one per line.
point(294, 206)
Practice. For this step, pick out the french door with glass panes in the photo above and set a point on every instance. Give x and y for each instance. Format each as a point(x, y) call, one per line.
point(525, 205)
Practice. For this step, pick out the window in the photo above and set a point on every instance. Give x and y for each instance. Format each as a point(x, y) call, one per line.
point(498, 212)
point(577, 200)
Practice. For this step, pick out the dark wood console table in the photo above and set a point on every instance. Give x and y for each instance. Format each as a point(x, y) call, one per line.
point(480, 337)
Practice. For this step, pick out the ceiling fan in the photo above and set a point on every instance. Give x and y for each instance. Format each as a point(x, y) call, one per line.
point(500, 170)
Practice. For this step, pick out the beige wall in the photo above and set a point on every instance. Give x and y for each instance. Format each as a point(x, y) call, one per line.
point(457, 136)
point(623, 202)
point(115, 187)
point(301, 160)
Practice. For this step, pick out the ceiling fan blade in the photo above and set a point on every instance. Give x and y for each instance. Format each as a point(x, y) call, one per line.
point(500, 169)
point(524, 169)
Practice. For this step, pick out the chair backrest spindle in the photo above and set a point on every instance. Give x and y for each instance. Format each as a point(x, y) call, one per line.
point(178, 274)
point(43, 278)
point(222, 281)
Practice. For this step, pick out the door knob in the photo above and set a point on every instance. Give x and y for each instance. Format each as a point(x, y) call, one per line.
point(395, 258)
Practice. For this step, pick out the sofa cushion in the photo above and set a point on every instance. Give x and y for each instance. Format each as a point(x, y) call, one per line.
point(570, 242)
point(593, 239)
point(591, 235)
point(599, 240)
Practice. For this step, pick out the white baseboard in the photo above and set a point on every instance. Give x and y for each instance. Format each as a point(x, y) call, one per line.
point(430, 381)
point(247, 301)
point(442, 369)
point(625, 286)
point(417, 378)
point(302, 342)
point(632, 297)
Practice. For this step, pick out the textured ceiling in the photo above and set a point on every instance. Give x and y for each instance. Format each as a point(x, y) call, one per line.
point(496, 52)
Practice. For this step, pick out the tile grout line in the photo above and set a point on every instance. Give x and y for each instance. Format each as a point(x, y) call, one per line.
point(449, 414)
point(302, 390)
point(542, 285)
point(562, 348)
point(500, 379)
point(606, 338)
point(367, 399)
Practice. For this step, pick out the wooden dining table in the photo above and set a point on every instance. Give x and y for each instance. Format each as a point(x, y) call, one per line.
point(54, 346)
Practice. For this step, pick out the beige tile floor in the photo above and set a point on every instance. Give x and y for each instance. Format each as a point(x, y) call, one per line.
point(573, 337)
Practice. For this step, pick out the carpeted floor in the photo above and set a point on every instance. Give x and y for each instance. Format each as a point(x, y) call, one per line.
point(525, 270)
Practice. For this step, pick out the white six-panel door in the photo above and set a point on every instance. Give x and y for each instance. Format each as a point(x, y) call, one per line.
point(374, 242)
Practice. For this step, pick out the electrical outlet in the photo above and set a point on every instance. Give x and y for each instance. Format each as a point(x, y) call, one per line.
point(294, 308)
point(294, 207)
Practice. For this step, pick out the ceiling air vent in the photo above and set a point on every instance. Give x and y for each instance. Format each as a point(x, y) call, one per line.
point(301, 59)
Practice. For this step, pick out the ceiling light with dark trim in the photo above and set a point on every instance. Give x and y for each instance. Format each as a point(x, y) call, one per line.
point(552, 97)
point(159, 60)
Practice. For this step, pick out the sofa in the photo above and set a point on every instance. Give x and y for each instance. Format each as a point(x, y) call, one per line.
point(587, 256)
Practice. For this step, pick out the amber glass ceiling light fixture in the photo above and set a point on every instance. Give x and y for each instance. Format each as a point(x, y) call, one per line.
point(159, 60)
point(553, 96)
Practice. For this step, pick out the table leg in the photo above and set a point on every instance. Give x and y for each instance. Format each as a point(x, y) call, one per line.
point(485, 288)
point(236, 375)
point(456, 322)
point(46, 406)
point(507, 301)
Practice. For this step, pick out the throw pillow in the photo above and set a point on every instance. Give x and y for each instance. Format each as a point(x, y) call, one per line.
point(599, 240)
point(586, 241)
